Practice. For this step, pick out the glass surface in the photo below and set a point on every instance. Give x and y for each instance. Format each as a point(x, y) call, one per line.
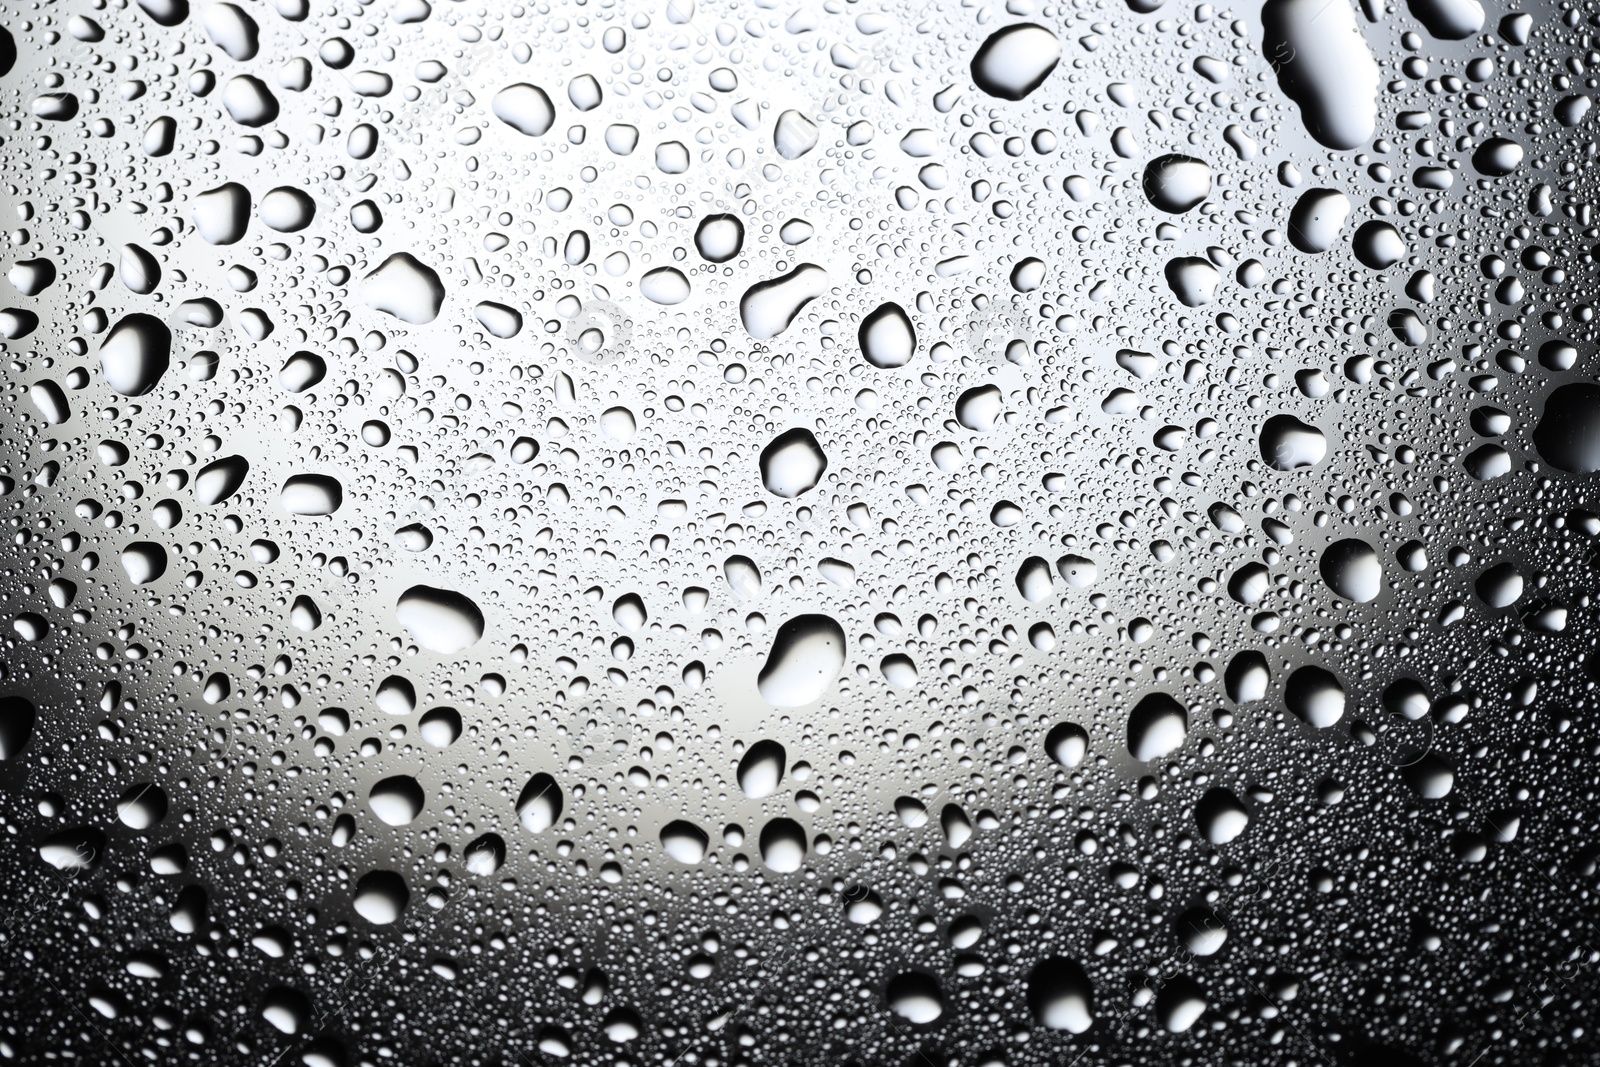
point(835, 533)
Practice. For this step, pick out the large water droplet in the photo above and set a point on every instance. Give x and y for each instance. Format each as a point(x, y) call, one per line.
point(979, 408)
point(888, 340)
point(525, 108)
point(1325, 66)
point(1060, 995)
point(761, 769)
point(1192, 280)
point(1288, 444)
point(220, 479)
point(1315, 696)
point(222, 215)
point(1448, 20)
point(783, 845)
point(1317, 219)
point(287, 209)
point(396, 801)
point(792, 463)
point(767, 308)
point(1015, 61)
point(1179, 1004)
point(142, 805)
point(794, 135)
point(1221, 816)
point(664, 285)
point(381, 897)
point(135, 354)
point(540, 803)
point(144, 562)
point(1352, 570)
point(719, 237)
point(311, 494)
point(1067, 743)
point(1177, 183)
point(684, 841)
point(1157, 727)
point(404, 287)
point(806, 657)
point(915, 996)
point(1247, 677)
point(441, 620)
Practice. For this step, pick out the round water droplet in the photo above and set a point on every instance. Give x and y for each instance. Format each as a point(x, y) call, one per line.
point(381, 897)
point(484, 856)
point(792, 463)
point(915, 996)
point(1177, 183)
point(287, 210)
point(1247, 677)
point(540, 803)
point(311, 495)
point(144, 562)
point(783, 846)
point(1317, 219)
point(396, 801)
point(1352, 570)
point(135, 354)
point(1157, 727)
point(1315, 696)
point(887, 338)
point(1067, 743)
point(1288, 444)
point(1378, 245)
point(665, 285)
point(440, 727)
point(1221, 816)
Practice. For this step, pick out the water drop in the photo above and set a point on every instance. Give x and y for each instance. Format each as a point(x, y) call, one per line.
point(1352, 570)
point(888, 340)
point(135, 354)
point(1177, 184)
point(525, 108)
point(792, 463)
point(1315, 696)
point(404, 287)
point(1015, 61)
point(761, 769)
point(684, 841)
point(783, 846)
point(441, 620)
point(381, 897)
point(540, 803)
point(311, 494)
point(1157, 727)
point(805, 659)
point(397, 800)
point(1060, 995)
